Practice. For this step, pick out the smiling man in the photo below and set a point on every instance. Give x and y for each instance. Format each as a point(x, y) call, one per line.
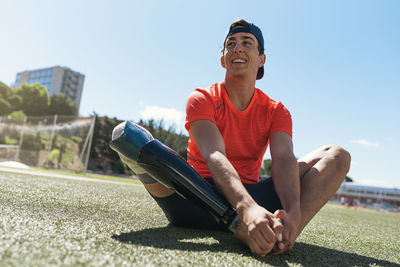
point(231, 123)
point(230, 126)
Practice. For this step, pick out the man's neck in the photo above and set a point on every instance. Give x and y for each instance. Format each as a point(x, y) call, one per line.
point(240, 91)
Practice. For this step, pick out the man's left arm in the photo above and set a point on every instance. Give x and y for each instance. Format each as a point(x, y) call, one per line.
point(285, 175)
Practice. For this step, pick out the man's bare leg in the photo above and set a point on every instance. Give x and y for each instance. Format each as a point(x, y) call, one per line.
point(321, 172)
point(159, 190)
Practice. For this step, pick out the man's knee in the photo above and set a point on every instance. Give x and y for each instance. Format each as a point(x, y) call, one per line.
point(339, 156)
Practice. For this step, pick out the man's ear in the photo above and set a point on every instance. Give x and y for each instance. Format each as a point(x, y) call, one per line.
point(262, 58)
point(223, 62)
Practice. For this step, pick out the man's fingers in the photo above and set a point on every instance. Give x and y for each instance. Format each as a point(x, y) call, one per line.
point(280, 214)
point(268, 233)
point(262, 232)
point(277, 225)
point(260, 247)
point(278, 228)
point(281, 248)
point(262, 239)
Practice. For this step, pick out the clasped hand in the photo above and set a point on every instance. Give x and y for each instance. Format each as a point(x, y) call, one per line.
point(269, 232)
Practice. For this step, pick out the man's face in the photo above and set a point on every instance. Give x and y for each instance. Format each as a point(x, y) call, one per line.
point(241, 56)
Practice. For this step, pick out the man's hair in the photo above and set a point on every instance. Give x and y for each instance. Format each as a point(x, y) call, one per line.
point(241, 23)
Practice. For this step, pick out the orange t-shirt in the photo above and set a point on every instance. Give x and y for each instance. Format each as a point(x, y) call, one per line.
point(246, 133)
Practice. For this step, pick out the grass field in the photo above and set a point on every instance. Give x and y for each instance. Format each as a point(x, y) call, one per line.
point(52, 221)
point(87, 175)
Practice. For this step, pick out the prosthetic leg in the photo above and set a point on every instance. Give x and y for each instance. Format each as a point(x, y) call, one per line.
point(144, 154)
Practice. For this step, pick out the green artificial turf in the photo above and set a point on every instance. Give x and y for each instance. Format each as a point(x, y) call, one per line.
point(54, 222)
point(88, 175)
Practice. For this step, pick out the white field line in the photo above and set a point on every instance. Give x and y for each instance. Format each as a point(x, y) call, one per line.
point(64, 176)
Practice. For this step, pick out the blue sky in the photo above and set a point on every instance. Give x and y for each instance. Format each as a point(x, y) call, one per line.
point(335, 64)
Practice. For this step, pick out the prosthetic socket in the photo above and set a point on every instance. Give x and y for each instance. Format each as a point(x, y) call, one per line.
point(134, 143)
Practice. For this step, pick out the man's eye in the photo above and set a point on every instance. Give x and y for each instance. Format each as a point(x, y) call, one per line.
point(230, 44)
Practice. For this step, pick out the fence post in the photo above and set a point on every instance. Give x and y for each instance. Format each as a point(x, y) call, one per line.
point(91, 131)
point(51, 138)
point(21, 139)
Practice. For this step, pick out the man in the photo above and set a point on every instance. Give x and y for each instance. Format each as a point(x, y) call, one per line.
point(230, 125)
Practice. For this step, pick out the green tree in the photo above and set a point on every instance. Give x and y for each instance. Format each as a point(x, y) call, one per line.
point(5, 91)
point(35, 99)
point(61, 104)
point(102, 157)
point(8, 100)
point(15, 102)
point(5, 107)
point(265, 169)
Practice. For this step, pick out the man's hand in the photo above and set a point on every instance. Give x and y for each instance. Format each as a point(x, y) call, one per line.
point(262, 228)
point(291, 224)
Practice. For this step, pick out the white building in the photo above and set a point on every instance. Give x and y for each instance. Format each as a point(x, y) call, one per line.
point(370, 195)
point(56, 80)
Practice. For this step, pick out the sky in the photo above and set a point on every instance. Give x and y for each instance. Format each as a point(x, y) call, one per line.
point(335, 64)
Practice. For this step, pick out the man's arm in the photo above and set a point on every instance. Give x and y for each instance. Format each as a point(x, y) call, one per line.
point(260, 223)
point(285, 175)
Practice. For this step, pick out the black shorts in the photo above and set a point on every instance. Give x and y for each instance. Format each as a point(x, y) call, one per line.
point(182, 212)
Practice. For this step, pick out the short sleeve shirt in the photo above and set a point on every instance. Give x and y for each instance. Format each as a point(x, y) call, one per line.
point(246, 133)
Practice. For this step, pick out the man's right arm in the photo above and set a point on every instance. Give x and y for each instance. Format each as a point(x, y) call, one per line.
point(258, 222)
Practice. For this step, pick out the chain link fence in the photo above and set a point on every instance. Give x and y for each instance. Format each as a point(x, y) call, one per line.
point(61, 142)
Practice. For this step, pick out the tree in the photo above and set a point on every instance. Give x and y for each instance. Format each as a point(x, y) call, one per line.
point(5, 91)
point(15, 102)
point(265, 169)
point(102, 157)
point(35, 99)
point(8, 101)
point(61, 104)
point(5, 107)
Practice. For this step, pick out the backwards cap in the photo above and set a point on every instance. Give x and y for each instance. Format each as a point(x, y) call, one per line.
point(253, 29)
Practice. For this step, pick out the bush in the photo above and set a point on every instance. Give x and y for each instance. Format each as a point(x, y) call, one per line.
point(66, 159)
point(10, 141)
point(32, 142)
point(76, 139)
point(17, 116)
point(5, 107)
point(53, 157)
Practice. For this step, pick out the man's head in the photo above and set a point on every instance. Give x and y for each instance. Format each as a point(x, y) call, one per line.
point(243, 26)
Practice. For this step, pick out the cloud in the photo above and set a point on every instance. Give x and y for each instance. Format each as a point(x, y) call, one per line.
point(170, 116)
point(366, 143)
